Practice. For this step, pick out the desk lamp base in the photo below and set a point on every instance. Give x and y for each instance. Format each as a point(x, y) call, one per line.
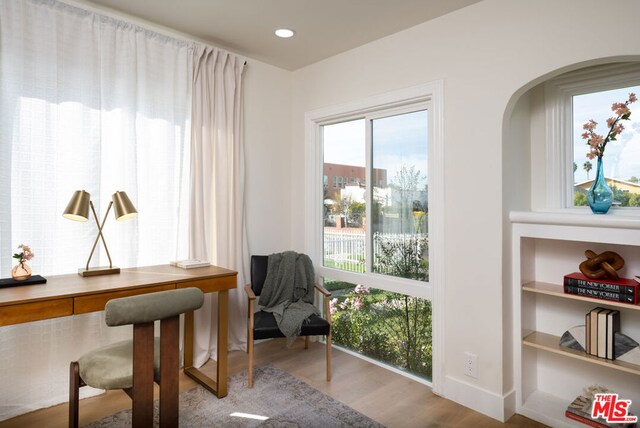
point(98, 271)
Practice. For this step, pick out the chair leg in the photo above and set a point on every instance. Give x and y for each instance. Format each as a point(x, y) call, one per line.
point(143, 350)
point(250, 346)
point(74, 391)
point(329, 356)
point(250, 325)
point(169, 368)
point(306, 342)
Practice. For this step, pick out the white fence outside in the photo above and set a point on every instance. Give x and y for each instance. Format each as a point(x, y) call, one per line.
point(345, 249)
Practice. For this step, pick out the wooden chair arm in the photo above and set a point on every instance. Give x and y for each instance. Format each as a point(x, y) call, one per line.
point(252, 297)
point(327, 295)
point(250, 294)
point(322, 290)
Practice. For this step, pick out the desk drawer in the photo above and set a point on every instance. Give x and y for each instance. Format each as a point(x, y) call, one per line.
point(96, 302)
point(35, 311)
point(212, 284)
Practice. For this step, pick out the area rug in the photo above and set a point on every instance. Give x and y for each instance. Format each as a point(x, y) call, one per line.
point(285, 400)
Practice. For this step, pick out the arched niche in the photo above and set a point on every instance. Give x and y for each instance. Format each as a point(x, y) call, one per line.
point(524, 137)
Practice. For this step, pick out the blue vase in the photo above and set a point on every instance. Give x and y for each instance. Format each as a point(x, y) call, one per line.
point(600, 195)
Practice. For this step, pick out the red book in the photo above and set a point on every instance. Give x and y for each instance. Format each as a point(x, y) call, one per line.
point(584, 420)
point(620, 290)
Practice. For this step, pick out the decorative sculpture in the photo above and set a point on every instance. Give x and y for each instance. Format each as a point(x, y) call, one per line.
point(604, 265)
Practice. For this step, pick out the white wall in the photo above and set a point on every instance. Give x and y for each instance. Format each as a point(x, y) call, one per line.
point(267, 138)
point(485, 53)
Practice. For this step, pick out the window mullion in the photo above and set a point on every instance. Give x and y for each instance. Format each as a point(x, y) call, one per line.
point(368, 195)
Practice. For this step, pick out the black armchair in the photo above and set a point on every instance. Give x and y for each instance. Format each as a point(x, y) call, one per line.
point(262, 325)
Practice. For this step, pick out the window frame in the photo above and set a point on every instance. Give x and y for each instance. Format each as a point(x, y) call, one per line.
point(426, 96)
point(558, 94)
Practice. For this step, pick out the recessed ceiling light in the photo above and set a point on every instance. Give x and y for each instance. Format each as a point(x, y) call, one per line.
point(285, 33)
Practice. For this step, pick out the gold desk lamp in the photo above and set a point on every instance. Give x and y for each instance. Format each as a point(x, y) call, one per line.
point(78, 210)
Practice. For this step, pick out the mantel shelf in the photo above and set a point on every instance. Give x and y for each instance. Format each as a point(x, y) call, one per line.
point(629, 220)
point(551, 343)
point(556, 291)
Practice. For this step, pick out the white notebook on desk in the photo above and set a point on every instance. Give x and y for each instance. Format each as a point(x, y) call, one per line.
point(190, 264)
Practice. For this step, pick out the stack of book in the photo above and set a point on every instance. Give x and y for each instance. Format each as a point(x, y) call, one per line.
point(619, 290)
point(601, 325)
point(189, 264)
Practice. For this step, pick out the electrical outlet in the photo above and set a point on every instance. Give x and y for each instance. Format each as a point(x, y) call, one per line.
point(471, 364)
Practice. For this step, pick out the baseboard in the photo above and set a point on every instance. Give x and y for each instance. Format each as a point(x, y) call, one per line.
point(496, 406)
point(509, 404)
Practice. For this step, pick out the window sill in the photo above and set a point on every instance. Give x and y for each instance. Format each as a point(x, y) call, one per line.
point(579, 217)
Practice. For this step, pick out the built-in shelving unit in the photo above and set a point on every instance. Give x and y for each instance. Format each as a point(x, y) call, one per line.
point(545, 247)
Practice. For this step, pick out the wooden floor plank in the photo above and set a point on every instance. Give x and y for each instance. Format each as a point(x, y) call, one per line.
point(364, 386)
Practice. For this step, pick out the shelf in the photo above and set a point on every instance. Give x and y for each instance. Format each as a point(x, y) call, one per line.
point(556, 291)
point(579, 217)
point(548, 409)
point(551, 343)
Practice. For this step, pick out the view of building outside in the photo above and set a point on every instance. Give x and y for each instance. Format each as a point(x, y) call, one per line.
point(339, 177)
point(621, 159)
point(391, 327)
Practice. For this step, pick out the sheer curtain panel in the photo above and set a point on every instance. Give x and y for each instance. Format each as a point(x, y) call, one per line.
point(218, 231)
point(86, 102)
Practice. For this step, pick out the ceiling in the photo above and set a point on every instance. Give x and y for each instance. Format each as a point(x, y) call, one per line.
point(323, 27)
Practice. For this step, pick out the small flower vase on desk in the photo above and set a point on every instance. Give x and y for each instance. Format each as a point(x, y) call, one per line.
point(21, 271)
point(600, 195)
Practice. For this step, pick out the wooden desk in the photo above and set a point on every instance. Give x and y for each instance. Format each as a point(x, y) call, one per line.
point(65, 295)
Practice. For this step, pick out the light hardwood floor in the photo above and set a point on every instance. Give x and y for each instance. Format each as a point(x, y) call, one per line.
point(387, 397)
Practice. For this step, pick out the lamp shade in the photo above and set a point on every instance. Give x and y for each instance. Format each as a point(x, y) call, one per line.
point(78, 207)
point(122, 206)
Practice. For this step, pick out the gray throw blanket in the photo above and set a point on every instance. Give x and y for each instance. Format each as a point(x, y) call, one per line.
point(288, 292)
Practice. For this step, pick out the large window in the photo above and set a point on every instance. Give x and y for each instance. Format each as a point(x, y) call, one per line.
point(385, 155)
point(376, 239)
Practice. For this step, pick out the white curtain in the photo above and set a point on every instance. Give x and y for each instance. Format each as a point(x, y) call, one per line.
point(86, 102)
point(217, 220)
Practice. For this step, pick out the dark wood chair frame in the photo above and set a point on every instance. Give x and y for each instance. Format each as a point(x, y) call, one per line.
point(142, 391)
